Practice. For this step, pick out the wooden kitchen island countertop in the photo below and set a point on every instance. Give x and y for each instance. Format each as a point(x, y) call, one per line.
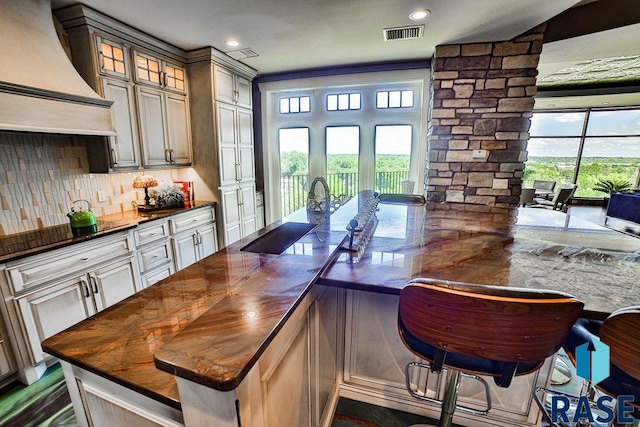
point(210, 322)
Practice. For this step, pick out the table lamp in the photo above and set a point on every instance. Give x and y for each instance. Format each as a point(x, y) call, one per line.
point(145, 181)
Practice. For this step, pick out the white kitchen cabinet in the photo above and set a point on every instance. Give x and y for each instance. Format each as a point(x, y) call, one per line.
point(46, 293)
point(238, 211)
point(51, 309)
point(223, 137)
point(232, 88)
point(146, 78)
point(194, 236)
point(153, 251)
point(165, 130)
point(237, 172)
point(40, 270)
point(191, 247)
point(156, 275)
point(124, 148)
point(113, 283)
point(158, 72)
point(260, 210)
point(235, 144)
point(98, 402)
point(7, 361)
point(112, 58)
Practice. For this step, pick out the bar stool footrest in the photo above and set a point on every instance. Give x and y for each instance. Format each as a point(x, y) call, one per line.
point(422, 393)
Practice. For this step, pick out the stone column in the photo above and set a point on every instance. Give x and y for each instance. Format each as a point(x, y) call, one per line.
point(481, 105)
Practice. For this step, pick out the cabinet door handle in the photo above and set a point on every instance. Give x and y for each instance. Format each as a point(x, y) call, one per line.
point(240, 198)
point(86, 288)
point(114, 157)
point(167, 155)
point(198, 238)
point(94, 284)
point(171, 155)
point(238, 173)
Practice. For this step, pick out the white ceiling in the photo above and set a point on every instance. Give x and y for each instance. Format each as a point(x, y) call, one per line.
point(303, 34)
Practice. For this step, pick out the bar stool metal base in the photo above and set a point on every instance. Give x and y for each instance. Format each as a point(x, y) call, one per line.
point(448, 402)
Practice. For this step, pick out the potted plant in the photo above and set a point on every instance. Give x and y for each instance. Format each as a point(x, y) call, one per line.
point(610, 186)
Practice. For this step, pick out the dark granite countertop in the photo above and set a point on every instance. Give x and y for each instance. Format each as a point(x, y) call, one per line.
point(194, 324)
point(21, 245)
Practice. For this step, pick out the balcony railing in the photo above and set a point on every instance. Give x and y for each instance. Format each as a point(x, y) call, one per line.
point(294, 188)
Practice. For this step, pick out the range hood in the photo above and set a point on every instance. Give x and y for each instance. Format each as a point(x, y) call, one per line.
point(40, 90)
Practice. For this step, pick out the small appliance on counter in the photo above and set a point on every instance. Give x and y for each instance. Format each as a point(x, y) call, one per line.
point(82, 220)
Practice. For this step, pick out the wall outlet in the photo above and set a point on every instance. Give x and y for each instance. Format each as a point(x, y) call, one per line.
point(479, 154)
point(102, 196)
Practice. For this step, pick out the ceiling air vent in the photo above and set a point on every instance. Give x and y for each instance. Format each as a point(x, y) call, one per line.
point(403, 33)
point(244, 53)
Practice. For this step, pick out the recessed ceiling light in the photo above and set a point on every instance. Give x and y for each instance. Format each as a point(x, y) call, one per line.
point(419, 14)
point(551, 105)
point(604, 103)
point(232, 43)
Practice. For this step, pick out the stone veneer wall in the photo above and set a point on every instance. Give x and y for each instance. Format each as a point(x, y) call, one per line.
point(481, 105)
point(40, 175)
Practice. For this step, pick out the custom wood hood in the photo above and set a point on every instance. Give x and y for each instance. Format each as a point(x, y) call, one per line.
point(40, 90)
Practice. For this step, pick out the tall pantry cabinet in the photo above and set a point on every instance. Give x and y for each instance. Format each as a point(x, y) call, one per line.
point(222, 130)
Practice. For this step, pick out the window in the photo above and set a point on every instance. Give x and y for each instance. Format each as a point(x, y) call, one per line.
point(553, 147)
point(393, 155)
point(583, 146)
point(343, 101)
point(345, 139)
point(294, 168)
point(394, 99)
point(295, 104)
point(343, 149)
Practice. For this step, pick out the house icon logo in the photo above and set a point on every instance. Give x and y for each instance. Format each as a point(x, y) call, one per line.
point(592, 361)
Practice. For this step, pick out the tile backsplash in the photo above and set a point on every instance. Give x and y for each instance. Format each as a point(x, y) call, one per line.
point(41, 175)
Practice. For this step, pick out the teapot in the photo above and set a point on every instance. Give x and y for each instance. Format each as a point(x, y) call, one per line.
point(82, 220)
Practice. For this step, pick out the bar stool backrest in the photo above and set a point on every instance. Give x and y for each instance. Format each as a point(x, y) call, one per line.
point(489, 322)
point(621, 332)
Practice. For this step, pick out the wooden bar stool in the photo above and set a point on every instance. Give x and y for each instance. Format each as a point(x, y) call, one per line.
point(621, 332)
point(473, 330)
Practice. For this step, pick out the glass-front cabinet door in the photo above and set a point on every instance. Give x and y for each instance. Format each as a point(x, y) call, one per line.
point(113, 58)
point(153, 71)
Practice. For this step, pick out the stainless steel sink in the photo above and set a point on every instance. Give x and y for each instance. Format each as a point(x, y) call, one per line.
point(402, 199)
point(279, 239)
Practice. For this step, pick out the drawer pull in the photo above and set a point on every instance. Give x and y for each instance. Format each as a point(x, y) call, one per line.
point(152, 234)
point(156, 256)
point(84, 259)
